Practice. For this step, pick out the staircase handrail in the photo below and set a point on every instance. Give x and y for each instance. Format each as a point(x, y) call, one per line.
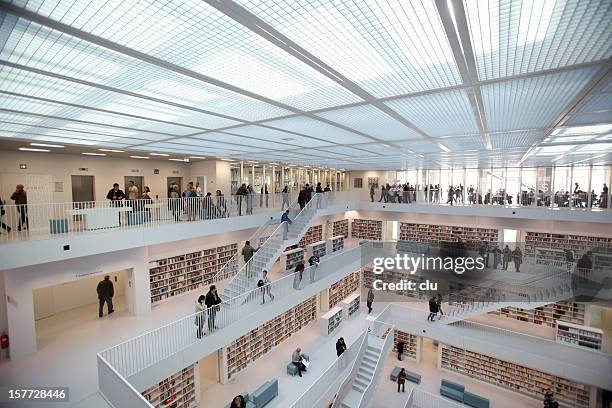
point(368, 393)
point(348, 381)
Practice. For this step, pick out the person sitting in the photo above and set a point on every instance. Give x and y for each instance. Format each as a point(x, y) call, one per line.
point(297, 358)
point(238, 402)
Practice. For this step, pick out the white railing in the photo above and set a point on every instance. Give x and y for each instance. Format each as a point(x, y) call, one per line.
point(319, 394)
point(385, 332)
point(346, 384)
point(141, 352)
point(420, 398)
point(116, 389)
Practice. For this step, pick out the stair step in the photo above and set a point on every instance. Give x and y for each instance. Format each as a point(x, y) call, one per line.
point(363, 378)
point(366, 371)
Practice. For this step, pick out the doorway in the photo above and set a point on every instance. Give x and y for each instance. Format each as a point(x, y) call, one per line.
point(175, 180)
point(70, 307)
point(82, 188)
point(138, 181)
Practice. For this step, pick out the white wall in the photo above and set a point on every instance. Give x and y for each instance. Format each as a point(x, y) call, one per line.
point(384, 177)
point(106, 171)
point(20, 283)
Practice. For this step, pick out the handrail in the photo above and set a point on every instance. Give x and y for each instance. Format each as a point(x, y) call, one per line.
point(419, 398)
point(389, 336)
point(350, 377)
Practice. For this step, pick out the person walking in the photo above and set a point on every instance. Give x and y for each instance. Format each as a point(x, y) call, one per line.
point(267, 289)
point(250, 199)
point(517, 258)
point(400, 350)
point(303, 198)
point(2, 212)
point(285, 195)
point(370, 300)
point(247, 253)
point(200, 308)
point(507, 257)
point(433, 308)
point(497, 255)
point(372, 192)
point(319, 194)
point(340, 346)
point(264, 193)
point(285, 218)
point(313, 261)
point(297, 280)
point(212, 302)
point(382, 194)
point(439, 305)
point(106, 291)
point(401, 380)
point(451, 195)
point(174, 202)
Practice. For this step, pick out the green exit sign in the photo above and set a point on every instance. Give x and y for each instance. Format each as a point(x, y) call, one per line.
point(23, 166)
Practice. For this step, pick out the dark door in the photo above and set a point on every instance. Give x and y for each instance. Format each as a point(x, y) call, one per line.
point(138, 180)
point(82, 188)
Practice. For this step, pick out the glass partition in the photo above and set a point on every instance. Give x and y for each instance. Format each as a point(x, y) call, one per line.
point(498, 186)
point(561, 187)
point(434, 186)
point(512, 184)
point(544, 180)
point(600, 183)
point(484, 187)
point(471, 186)
point(580, 185)
point(528, 186)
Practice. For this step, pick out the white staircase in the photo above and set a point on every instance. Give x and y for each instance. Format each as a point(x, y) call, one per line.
point(268, 252)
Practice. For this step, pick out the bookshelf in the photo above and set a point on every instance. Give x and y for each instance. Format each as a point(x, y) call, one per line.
point(579, 336)
point(517, 378)
point(313, 234)
point(549, 315)
point(429, 233)
point(259, 341)
point(580, 244)
point(169, 277)
point(289, 259)
point(411, 344)
point(343, 288)
point(335, 243)
point(350, 305)
point(341, 228)
point(176, 391)
point(317, 248)
point(367, 229)
point(330, 321)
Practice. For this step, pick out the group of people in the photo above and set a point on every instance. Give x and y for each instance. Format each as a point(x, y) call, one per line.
point(20, 197)
point(400, 193)
point(503, 257)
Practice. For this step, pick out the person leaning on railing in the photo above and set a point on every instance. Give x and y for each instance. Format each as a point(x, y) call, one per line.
point(21, 201)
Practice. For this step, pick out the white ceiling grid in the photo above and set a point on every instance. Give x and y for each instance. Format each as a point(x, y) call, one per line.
point(357, 84)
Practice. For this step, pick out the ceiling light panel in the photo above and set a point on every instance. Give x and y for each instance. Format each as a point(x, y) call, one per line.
point(515, 139)
point(372, 121)
point(316, 128)
point(58, 139)
point(595, 103)
point(387, 47)
point(589, 119)
point(511, 37)
point(195, 35)
point(438, 114)
point(532, 103)
point(265, 133)
point(49, 50)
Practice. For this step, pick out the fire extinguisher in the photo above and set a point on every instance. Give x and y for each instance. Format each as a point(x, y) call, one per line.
point(4, 344)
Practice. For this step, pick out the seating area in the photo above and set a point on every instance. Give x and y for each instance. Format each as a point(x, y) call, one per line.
point(292, 369)
point(457, 392)
point(261, 396)
point(410, 376)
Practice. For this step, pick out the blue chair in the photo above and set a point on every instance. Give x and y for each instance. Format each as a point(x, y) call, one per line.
point(266, 393)
point(452, 390)
point(413, 377)
point(394, 374)
point(475, 401)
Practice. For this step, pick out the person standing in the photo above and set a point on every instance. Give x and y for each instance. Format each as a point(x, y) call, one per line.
point(21, 201)
point(401, 380)
point(220, 204)
point(451, 195)
point(285, 218)
point(241, 194)
point(297, 280)
point(433, 308)
point(212, 301)
point(285, 194)
point(238, 402)
point(106, 291)
point(340, 346)
point(198, 190)
point(132, 195)
point(2, 212)
point(400, 350)
point(507, 257)
point(372, 192)
point(382, 194)
point(313, 261)
point(319, 194)
point(497, 255)
point(115, 194)
point(174, 202)
point(303, 198)
point(247, 253)
point(267, 288)
point(327, 188)
point(483, 251)
point(439, 305)
point(370, 300)
point(200, 308)
point(518, 258)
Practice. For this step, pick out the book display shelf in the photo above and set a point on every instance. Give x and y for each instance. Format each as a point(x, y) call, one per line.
point(580, 244)
point(579, 336)
point(253, 345)
point(317, 248)
point(330, 321)
point(411, 344)
point(343, 288)
point(335, 243)
point(367, 229)
point(350, 305)
point(176, 275)
point(289, 259)
point(341, 228)
point(177, 391)
point(313, 234)
point(549, 315)
point(427, 233)
point(524, 380)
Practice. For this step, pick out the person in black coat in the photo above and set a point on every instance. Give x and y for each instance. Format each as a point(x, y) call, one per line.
point(106, 291)
point(400, 350)
point(212, 301)
point(340, 346)
point(433, 308)
point(238, 402)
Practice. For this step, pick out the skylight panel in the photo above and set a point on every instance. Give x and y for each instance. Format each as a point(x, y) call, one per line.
point(318, 129)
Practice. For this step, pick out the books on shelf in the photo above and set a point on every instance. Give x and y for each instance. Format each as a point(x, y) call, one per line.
point(255, 344)
point(341, 227)
point(176, 275)
point(331, 320)
point(549, 315)
point(335, 243)
point(350, 305)
point(580, 244)
point(289, 259)
point(579, 336)
point(313, 234)
point(177, 391)
point(411, 344)
point(367, 229)
point(433, 233)
point(317, 248)
point(343, 288)
point(515, 377)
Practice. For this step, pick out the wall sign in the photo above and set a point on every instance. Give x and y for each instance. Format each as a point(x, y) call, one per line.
point(59, 186)
point(135, 171)
point(155, 171)
point(175, 172)
point(83, 169)
point(23, 166)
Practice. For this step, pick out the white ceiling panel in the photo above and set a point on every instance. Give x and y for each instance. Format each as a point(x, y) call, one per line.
point(318, 129)
point(514, 139)
point(589, 118)
point(596, 103)
point(265, 133)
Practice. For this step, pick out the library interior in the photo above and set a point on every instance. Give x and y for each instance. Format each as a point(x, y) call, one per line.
point(306, 203)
